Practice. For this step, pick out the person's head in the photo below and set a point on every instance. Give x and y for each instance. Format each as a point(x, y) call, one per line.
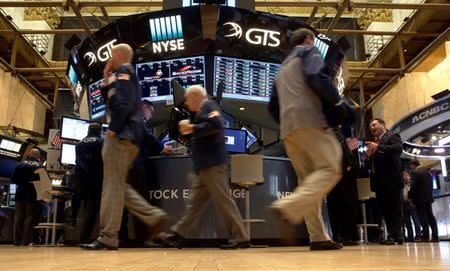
point(302, 36)
point(121, 54)
point(148, 109)
point(95, 129)
point(35, 153)
point(414, 164)
point(377, 127)
point(405, 177)
point(195, 95)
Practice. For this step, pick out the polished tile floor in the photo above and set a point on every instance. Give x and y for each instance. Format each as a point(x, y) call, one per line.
point(423, 256)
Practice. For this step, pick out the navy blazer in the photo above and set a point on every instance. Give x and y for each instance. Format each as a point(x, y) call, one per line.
point(421, 186)
point(388, 169)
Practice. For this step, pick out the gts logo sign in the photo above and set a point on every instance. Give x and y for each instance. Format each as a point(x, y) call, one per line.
point(255, 36)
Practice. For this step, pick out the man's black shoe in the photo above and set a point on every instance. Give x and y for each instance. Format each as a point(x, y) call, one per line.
point(236, 245)
point(391, 242)
point(97, 245)
point(157, 228)
point(172, 240)
point(325, 245)
point(434, 240)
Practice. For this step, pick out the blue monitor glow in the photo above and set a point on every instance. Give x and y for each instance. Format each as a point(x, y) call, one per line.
point(156, 77)
point(244, 79)
point(72, 76)
point(68, 154)
point(235, 140)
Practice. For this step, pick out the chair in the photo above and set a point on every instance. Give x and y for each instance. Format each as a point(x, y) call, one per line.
point(247, 171)
point(44, 192)
point(364, 193)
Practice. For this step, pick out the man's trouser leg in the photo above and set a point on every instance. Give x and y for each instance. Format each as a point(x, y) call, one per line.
point(215, 179)
point(118, 156)
point(315, 225)
point(316, 156)
point(431, 221)
point(140, 208)
point(195, 206)
point(19, 219)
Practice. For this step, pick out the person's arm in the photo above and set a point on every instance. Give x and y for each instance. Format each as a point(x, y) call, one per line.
point(120, 101)
point(319, 78)
point(212, 124)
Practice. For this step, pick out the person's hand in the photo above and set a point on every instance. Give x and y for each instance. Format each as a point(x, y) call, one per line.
point(185, 127)
point(371, 147)
point(111, 134)
point(107, 71)
point(167, 149)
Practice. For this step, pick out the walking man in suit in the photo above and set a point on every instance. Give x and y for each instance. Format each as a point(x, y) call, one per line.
point(386, 178)
point(422, 198)
point(120, 148)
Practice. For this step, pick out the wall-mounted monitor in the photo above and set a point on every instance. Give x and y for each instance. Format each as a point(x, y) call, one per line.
point(235, 140)
point(74, 129)
point(11, 148)
point(244, 79)
point(96, 102)
point(156, 77)
point(68, 154)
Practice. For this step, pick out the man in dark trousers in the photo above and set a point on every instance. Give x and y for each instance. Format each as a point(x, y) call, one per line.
point(342, 202)
point(28, 209)
point(409, 213)
point(120, 148)
point(210, 179)
point(421, 194)
point(386, 178)
point(88, 178)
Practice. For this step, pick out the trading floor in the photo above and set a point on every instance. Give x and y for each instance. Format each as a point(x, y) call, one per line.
point(412, 256)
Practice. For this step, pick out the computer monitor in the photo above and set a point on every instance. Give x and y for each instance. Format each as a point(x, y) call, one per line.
point(156, 77)
point(96, 102)
point(12, 189)
point(244, 79)
point(68, 154)
point(235, 140)
point(74, 129)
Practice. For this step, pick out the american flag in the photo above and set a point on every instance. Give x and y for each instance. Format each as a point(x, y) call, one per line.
point(352, 143)
point(57, 141)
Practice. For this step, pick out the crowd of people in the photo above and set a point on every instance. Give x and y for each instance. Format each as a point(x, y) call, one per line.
point(109, 172)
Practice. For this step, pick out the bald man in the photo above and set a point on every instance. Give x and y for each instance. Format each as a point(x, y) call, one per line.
point(209, 180)
point(27, 207)
point(123, 106)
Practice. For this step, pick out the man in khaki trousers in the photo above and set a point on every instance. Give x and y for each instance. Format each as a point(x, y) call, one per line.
point(119, 150)
point(310, 144)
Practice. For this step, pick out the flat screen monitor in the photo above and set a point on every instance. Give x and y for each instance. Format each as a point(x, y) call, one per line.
point(68, 154)
point(72, 75)
point(251, 138)
point(96, 102)
point(228, 120)
point(244, 79)
point(74, 129)
point(11, 148)
point(235, 140)
point(12, 189)
point(156, 77)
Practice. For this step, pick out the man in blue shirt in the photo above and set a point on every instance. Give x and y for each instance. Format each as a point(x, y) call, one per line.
point(210, 180)
point(27, 206)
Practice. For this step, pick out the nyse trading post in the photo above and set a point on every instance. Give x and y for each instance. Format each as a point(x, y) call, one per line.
point(156, 77)
point(245, 79)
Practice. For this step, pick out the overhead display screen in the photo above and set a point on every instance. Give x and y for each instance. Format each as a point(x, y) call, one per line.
point(156, 77)
point(10, 148)
point(245, 79)
point(96, 102)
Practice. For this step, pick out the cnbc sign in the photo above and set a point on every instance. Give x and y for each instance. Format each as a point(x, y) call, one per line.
point(167, 34)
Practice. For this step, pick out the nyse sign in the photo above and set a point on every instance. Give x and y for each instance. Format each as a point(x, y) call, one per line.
point(167, 34)
point(257, 36)
point(103, 53)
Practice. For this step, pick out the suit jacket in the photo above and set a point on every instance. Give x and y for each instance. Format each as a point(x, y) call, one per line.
point(421, 186)
point(386, 160)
